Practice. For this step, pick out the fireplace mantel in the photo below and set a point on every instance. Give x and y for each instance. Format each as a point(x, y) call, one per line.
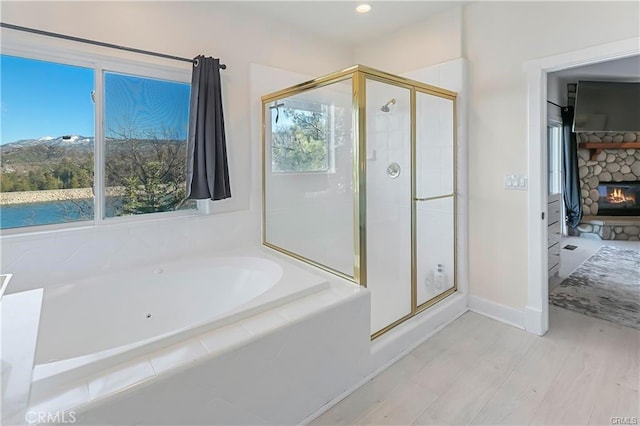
point(596, 148)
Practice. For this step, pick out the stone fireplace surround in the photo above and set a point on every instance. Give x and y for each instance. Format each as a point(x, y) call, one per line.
point(610, 165)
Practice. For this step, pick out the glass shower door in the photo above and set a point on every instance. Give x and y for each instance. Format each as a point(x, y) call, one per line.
point(435, 197)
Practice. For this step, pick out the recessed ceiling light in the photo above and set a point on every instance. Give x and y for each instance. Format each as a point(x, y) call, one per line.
point(363, 8)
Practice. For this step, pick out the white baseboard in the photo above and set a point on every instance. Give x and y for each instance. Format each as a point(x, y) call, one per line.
point(496, 311)
point(535, 321)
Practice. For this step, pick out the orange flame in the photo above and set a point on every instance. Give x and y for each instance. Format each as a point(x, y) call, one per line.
point(617, 196)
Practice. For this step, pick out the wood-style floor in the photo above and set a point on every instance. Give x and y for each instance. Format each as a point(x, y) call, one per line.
point(584, 371)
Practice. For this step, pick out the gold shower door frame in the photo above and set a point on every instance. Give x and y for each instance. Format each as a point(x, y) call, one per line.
point(359, 75)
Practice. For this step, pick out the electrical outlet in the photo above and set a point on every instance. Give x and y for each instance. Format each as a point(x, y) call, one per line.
point(516, 182)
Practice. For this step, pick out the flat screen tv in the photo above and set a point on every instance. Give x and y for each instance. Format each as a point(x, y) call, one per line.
point(607, 106)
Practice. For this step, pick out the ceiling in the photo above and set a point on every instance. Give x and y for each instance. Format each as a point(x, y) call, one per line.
point(338, 20)
point(626, 69)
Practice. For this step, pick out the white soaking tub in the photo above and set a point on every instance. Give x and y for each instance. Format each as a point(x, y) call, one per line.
point(91, 325)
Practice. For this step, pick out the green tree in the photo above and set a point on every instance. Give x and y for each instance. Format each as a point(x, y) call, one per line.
point(300, 143)
point(151, 171)
point(41, 167)
point(74, 174)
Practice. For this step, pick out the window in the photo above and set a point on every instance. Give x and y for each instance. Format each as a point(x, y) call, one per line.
point(300, 137)
point(554, 159)
point(47, 146)
point(49, 143)
point(145, 145)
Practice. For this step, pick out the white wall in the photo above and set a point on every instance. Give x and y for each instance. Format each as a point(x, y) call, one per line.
point(211, 28)
point(498, 38)
point(415, 46)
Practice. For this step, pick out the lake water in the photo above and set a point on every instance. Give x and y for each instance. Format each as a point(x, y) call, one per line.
point(32, 214)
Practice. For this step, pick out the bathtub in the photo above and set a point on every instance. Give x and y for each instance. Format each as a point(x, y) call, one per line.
point(91, 325)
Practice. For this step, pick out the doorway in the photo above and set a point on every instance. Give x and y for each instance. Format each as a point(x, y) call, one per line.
point(537, 309)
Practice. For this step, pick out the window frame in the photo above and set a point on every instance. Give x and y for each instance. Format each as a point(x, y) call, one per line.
point(32, 47)
point(554, 158)
point(554, 125)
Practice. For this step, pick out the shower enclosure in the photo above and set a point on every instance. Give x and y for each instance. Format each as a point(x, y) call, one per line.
point(359, 180)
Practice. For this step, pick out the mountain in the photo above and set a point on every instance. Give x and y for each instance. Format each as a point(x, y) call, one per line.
point(60, 141)
point(51, 151)
point(27, 153)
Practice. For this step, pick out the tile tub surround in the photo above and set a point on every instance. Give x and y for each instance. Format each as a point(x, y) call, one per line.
point(273, 368)
point(611, 165)
point(41, 259)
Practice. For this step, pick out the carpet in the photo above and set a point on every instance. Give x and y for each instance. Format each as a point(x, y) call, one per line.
point(606, 286)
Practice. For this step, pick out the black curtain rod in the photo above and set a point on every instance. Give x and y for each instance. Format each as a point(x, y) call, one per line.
point(98, 43)
point(553, 103)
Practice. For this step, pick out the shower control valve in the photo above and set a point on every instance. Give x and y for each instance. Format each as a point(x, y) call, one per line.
point(393, 170)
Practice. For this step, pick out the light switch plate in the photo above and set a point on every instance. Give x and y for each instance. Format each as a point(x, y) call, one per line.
point(516, 182)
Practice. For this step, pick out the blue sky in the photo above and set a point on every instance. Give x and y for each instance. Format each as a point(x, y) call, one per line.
point(145, 107)
point(45, 99)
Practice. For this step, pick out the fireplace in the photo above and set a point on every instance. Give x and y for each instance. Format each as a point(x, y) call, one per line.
point(619, 199)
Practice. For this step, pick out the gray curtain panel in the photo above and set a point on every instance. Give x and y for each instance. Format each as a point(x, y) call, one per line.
point(571, 186)
point(207, 168)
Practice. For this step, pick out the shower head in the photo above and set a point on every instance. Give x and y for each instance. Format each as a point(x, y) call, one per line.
point(385, 107)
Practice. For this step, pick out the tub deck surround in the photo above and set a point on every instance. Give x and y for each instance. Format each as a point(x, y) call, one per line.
point(19, 316)
point(281, 295)
point(276, 377)
point(230, 341)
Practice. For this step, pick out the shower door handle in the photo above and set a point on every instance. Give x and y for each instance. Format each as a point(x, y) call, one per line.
point(437, 197)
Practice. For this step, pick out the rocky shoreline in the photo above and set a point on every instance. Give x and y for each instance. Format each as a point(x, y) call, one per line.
point(24, 197)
